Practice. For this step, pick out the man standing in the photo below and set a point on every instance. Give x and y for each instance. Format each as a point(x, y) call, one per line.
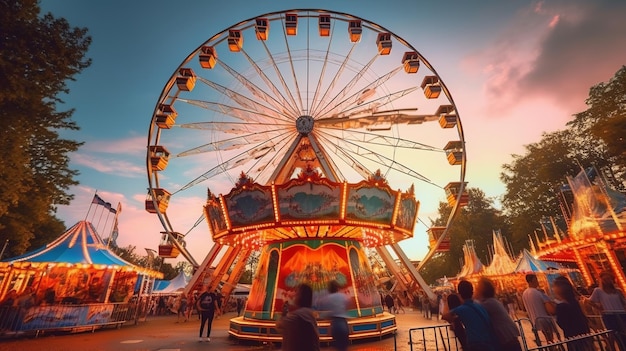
point(206, 305)
point(478, 327)
point(299, 327)
point(535, 302)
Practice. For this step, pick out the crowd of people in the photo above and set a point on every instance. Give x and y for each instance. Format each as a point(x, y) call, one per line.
point(483, 320)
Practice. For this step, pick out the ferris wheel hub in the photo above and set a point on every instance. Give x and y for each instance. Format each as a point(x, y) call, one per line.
point(304, 124)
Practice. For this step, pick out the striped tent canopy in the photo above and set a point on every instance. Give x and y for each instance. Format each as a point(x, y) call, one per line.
point(528, 264)
point(79, 245)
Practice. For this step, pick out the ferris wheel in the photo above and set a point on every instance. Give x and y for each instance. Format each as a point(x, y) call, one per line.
point(237, 104)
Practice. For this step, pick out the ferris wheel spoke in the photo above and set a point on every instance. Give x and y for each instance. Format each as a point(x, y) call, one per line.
point(232, 143)
point(322, 74)
point(347, 88)
point(246, 102)
point(359, 97)
point(372, 106)
point(255, 90)
point(293, 105)
point(376, 157)
point(231, 127)
point(236, 161)
point(334, 81)
point(358, 136)
point(382, 120)
point(235, 112)
point(270, 84)
point(360, 168)
point(279, 149)
point(293, 70)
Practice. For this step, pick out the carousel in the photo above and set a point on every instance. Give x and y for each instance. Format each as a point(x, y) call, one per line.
point(595, 239)
point(75, 283)
point(303, 136)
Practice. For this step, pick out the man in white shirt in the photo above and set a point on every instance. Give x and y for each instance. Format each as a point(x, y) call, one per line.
point(535, 303)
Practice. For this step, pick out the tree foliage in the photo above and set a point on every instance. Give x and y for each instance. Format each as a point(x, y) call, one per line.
point(128, 254)
point(595, 137)
point(476, 222)
point(38, 57)
point(602, 127)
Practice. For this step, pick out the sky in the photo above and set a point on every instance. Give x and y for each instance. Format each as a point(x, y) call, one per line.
point(516, 69)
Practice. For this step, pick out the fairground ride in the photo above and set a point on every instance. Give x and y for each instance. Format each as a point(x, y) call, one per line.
point(298, 122)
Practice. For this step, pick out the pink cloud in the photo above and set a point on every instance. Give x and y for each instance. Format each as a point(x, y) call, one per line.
point(555, 51)
point(134, 145)
point(109, 165)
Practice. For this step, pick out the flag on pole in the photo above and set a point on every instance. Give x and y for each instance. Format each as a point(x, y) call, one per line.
point(97, 200)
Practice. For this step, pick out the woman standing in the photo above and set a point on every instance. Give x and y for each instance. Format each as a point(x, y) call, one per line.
point(569, 315)
point(610, 301)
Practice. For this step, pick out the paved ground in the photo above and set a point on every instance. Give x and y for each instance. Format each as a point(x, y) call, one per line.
point(164, 334)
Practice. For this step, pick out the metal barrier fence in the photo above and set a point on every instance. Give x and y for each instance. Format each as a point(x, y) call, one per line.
point(16, 321)
point(442, 337)
point(598, 341)
point(439, 337)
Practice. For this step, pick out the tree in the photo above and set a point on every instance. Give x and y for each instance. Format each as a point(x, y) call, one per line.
point(594, 138)
point(38, 56)
point(533, 181)
point(476, 221)
point(602, 127)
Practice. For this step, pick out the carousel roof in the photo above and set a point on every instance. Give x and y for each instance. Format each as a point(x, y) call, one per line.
point(80, 244)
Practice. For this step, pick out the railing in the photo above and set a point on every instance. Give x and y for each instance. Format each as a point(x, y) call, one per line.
point(439, 337)
point(34, 320)
point(442, 337)
point(598, 341)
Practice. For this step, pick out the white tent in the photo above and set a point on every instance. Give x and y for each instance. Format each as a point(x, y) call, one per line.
point(174, 286)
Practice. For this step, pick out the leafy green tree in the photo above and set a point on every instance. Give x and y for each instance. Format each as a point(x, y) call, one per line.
point(601, 129)
point(38, 56)
point(476, 221)
point(533, 182)
point(596, 137)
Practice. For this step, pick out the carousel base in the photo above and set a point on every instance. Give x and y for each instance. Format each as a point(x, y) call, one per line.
point(360, 328)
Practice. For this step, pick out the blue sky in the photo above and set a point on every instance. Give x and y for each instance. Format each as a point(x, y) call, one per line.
point(516, 69)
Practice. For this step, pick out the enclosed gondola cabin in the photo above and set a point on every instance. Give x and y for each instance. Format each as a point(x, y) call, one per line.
point(186, 80)
point(166, 248)
point(324, 25)
point(447, 121)
point(431, 87)
point(454, 152)
point(291, 23)
point(444, 109)
point(452, 193)
point(157, 200)
point(166, 116)
point(207, 57)
point(434, 233)
point(235, 40)
point(384, 43)
point(411, 62)
point(355, 30)
point(262, 28)
point(159, 157)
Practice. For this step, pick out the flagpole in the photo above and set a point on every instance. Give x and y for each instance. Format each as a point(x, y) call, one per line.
point(91, 204)
point(117, 213)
